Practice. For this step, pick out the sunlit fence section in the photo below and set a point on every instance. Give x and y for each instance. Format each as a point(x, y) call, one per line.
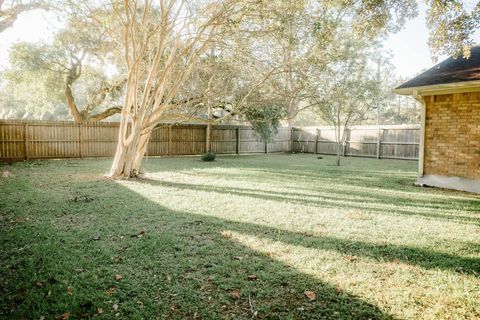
point(395, 141)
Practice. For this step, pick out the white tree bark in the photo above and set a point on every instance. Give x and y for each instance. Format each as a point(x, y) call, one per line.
point(162, 44)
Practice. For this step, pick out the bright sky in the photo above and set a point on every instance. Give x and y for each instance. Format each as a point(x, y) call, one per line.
point(31, 27)
point(409, 48)
point(410, 53)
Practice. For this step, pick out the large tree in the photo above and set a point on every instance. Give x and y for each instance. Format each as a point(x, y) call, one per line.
point(74, 62)
point(162, 43)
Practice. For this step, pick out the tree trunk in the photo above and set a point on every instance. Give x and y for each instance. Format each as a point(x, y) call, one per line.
point(72, 106)
point(338, 139)
point(339, 152)
point(84, 115)
point(142, 150)
point(291, 112)
point(129, 156)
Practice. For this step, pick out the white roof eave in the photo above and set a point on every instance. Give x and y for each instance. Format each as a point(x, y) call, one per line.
point(444, 88)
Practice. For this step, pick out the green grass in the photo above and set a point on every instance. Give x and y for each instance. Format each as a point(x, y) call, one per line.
point(369, 243)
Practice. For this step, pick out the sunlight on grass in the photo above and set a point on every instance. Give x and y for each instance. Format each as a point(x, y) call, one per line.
point(314, 211)
point(400, 289)
point(330, 192)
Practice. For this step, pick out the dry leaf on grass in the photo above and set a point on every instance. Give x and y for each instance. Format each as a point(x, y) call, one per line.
point(252, 277)
point(138, 235)
point(111, 291)
point(63, 316)
point(235, 294)
point(227, 234)
point(310, 295)
point(118, 277)
point(351, 258)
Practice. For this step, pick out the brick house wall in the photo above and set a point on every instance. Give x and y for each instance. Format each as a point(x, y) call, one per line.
point(452, 135)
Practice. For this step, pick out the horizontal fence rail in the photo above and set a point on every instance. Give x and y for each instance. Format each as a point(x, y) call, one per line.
point(32, 139)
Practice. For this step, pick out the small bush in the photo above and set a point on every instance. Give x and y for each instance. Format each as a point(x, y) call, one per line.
point(209, 156)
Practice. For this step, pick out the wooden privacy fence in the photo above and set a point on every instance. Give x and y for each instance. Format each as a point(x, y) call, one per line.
point(389, 142)
point(20, 139)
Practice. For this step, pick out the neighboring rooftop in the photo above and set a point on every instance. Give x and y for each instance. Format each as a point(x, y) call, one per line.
point(451, 70)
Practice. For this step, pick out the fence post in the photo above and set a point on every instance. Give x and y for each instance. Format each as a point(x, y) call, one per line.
point(25, 138)
point(170, 140)
point(80, 140)
point(292, 131)
point(237, 146)
point(266, 147)
point(208, 137)
point(316, 141)
point(378, 142)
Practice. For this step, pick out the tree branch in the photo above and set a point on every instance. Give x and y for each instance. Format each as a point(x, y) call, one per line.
point(105, 114)
point(71, 77)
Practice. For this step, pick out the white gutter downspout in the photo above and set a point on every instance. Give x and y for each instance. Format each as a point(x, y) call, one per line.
point(421, 151)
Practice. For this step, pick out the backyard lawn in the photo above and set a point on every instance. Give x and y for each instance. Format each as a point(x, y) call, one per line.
point(245, 237)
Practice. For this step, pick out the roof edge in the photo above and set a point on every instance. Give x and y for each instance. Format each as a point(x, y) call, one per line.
point(443, 88)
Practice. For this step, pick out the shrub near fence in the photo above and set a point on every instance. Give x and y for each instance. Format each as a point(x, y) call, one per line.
point(30, 139)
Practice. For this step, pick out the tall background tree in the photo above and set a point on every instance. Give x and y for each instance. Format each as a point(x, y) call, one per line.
point(346, 91)
point(75, 63)
point(452, 24)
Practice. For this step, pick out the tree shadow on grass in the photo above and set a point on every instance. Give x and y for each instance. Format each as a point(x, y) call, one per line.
point(179, 267)
point(397, 181)
point(376, 180)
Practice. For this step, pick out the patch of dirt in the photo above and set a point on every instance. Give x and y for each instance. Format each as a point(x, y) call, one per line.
point(7, 174)
point(82, 198)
